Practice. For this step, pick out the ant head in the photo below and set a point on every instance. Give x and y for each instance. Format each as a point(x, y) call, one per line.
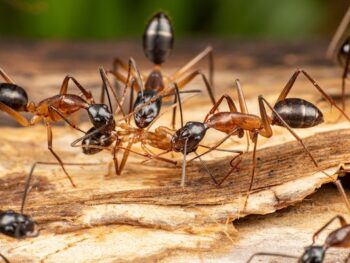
point(96, 139)
point(13, 96)
point(192, 132)
point(100, 116)
point(149, 112)
point(313, 254)
point(16, 225)
point(158, 38)
point(344, 52)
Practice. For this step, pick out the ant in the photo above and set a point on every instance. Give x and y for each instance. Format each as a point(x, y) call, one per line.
point(14, 99)
point(18, 225)
point(339, 50)
point(287, 112)
point(316, 254)
point(158, 39)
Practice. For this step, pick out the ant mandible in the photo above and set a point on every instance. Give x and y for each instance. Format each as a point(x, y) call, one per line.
point(339, 50)
point(286, 112)
point(315, 254)
point(14, 99)
point(158, 41)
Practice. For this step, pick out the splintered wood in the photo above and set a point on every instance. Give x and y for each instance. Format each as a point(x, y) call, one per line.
point(145, 216)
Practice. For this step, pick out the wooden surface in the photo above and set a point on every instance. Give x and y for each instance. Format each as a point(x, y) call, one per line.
point(143, 215)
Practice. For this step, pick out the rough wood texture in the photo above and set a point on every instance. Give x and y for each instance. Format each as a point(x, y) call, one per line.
point(143, 215)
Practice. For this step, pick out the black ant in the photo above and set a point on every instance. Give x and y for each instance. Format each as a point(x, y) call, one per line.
point(339, 50)
point(286, 112)
point(14, 99)
point(157, 44)
point(316, 254)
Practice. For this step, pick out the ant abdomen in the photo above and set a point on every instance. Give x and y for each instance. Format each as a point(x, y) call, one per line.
point(297, 113)
point(13, 96)
point(344, 52)
point(158, 38)
point(97, 139)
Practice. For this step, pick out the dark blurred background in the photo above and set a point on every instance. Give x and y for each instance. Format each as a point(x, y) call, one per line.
point(121, 19)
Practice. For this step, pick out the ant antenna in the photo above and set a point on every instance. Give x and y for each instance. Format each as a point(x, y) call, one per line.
point(177, 94)
point(133, 65)
point(106, 85)
point(206, 168)
point(270, 254)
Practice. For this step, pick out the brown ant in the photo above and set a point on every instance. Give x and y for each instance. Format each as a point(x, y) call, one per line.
point(157, 44)
point(339, 50)
point(14, 99)
point(286, 112)
point(316, 254)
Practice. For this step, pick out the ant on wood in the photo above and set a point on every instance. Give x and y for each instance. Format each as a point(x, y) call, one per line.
point(287, 112)
point(316, 254)
point(157, 44)
point(14, 99)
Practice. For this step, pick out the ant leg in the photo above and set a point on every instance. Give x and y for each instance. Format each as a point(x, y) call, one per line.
point(206, 52)
point(14, 114)
point(206, 168)
point(64, 87)
point(342, 223)
point(230, 104)
point(118, 62)
point(4, 258)
point(125, 157)
point(233, 166)
point(291, 82)
point(343, 83)
point(270, 254)
point(65, 119)
point(266, 124)
point(191, 76)
point(151, 155)
point(218, 144)
point(255, 141)
point(30, 176)
point(49, 144)
point(6, 77)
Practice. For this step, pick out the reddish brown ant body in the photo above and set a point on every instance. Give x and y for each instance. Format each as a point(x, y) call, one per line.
point(315, 254)
point(14, 99)
point(158, 41)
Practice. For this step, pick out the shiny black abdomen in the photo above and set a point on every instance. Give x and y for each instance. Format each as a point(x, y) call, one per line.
point(344, 52)
point(297, 113)
point(158, 38)
point(13, 96)
point(96, 139)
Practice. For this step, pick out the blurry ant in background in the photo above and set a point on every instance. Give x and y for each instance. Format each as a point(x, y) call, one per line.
point(315, 254)
point(287, 112)
point(339, 50)
point(14, 99)
point(157, 44)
